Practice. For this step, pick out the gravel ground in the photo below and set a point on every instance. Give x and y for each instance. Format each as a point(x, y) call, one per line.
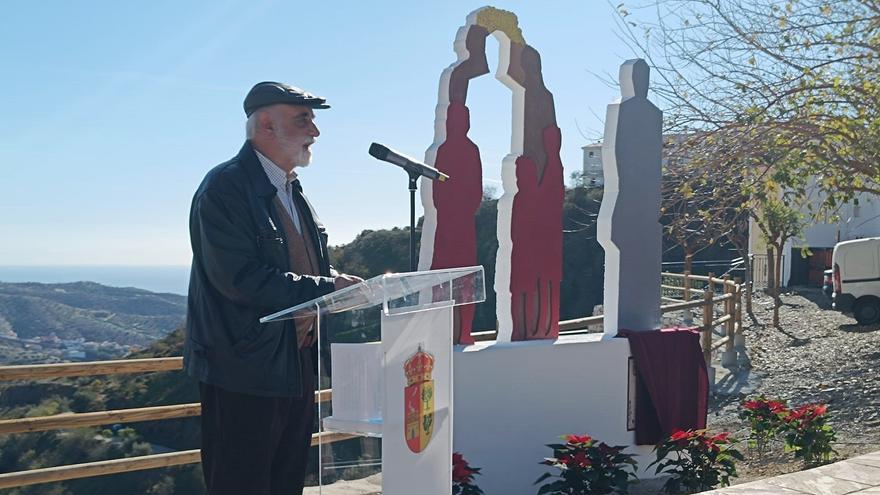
point(817, 355)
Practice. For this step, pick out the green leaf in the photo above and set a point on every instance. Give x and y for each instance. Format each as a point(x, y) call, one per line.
point(542, 478)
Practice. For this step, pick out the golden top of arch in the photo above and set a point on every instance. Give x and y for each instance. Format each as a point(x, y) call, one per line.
point(501, 20)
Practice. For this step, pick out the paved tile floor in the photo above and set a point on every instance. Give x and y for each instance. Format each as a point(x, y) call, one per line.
point(857, 475)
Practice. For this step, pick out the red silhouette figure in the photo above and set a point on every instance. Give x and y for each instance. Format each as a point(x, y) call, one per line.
point(536, 234)
point(457, 201)
point(536, 214)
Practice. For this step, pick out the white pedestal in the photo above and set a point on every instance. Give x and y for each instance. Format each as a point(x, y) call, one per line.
point(512, 399)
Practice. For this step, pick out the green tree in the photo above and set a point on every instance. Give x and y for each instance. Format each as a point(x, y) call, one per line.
point(747, 77)
point(778, 223)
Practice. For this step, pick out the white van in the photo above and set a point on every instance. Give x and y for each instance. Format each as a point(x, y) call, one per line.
point(857, 279)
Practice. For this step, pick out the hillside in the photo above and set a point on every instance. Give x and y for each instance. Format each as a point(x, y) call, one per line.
point(57, 447)
point(81, 320)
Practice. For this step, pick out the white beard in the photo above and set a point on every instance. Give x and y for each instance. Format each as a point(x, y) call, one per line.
point(303, 160)
point(299, 156)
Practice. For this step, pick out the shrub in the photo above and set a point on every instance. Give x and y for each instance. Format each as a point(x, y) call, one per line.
point(463, 476)
point(587, 467)
point(765, 418)
point(808, 435)
point(696, 461)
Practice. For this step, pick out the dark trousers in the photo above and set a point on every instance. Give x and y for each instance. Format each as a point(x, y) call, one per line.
point(254, 445)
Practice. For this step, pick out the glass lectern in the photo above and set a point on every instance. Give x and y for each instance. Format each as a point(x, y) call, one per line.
point(391, 379)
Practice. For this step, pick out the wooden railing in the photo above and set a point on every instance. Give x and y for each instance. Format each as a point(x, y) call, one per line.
point(725, 291)
point(695, 292)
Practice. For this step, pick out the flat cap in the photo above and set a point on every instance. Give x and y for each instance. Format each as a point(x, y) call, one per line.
point(269, 93)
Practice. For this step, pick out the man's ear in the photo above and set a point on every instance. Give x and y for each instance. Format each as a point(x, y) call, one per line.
point(265, 123)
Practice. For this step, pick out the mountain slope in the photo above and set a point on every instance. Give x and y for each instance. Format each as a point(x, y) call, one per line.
point(81, 320)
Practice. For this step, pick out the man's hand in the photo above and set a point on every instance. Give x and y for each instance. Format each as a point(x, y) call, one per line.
point(344, 280)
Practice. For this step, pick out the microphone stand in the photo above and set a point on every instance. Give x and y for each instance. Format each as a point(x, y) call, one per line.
point(413, 185)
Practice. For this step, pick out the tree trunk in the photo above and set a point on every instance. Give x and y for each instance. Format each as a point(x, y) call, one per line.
point(688, 271)
point(777, 283)
point(771, 270)
point(688, 261)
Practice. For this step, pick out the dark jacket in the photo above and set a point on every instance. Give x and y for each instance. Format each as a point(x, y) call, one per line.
point(240, 272)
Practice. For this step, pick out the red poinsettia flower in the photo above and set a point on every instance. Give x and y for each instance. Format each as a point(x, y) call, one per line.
point(752, 404)
point(586, 465)
point(708, 444)
point(807, 412)
point(680, 435)
point(797, 414)
point(721, 437)
point(776, 406)
point(578, 439)
point(461, 470)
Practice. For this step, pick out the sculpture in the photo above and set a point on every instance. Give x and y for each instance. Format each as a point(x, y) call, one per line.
point(529, 259)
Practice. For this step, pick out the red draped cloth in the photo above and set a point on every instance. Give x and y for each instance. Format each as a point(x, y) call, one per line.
point(673, 386)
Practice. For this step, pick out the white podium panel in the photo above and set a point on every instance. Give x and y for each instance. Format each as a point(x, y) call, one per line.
point(417, 427)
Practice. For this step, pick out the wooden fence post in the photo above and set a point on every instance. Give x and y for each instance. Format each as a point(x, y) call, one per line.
point(728, 357)
point(708, 326)
point(739, 339)
point(708, 316)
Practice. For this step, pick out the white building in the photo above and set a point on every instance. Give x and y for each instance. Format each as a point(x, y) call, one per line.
point(593, 174)
point(593, 164)
point(857, 219)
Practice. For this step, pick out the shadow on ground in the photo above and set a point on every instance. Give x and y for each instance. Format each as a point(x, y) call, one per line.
point(796, 341)
point(731, 385)
point(815, 296)
point(856, 328)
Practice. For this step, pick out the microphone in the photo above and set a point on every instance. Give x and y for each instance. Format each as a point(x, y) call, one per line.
point(386, 154)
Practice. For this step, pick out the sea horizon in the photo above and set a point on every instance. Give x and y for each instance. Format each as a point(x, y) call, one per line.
point(172, 279)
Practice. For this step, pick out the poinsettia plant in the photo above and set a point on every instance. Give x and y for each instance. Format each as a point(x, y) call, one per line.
point(808, 434)
point(587, 467)
point(765, 418)
point(463, 476)
point(696, 461)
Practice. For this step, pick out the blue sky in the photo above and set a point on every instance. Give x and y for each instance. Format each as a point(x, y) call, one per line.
point(114, 111)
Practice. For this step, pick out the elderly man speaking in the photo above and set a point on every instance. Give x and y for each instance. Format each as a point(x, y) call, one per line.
point(258, 247)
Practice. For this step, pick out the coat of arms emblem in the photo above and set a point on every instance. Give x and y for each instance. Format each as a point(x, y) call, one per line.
point(418, 400)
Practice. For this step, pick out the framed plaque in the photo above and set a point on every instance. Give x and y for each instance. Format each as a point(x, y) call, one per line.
point(631, 385)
